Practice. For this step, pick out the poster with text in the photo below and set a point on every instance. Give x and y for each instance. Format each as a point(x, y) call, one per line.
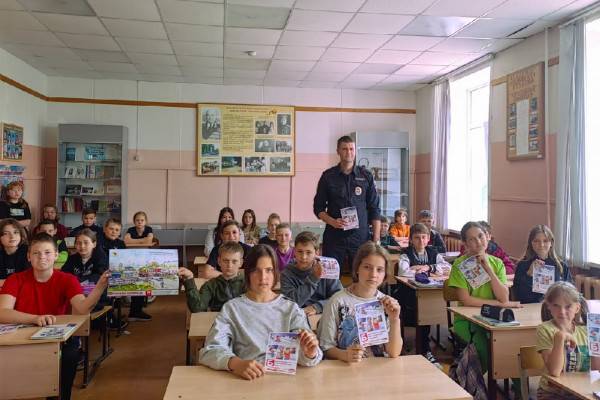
point(245, 140)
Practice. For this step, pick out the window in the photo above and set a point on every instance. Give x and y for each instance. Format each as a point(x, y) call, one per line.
point(592, 137)
point(468, 149)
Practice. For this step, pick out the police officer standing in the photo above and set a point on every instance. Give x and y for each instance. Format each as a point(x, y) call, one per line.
point(346, 186)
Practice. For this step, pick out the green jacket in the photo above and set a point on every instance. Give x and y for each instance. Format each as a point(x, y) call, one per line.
point(214, 293)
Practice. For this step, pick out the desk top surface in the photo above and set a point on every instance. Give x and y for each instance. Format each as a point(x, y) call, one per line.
point(22, 335)
point(580, 384)
point(408, 377)
point(529, 316)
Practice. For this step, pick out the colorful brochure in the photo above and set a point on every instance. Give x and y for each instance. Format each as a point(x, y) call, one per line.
point(282, 353)
point(371, 323)
point(10, 328)
point(331, 268)
point(350, 218)
point(593, 327)
point(473, 272)
point(87, 287)
point(54, 332)
point(543, 277)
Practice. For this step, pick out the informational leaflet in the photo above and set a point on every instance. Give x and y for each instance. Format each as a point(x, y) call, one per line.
point(282, 353)
point(371, 323)
point(331, 268)
point(8, 328)
point(593, 327)
point(54, 332)
point(543, 277)
point(87, 287)
point(350, 218)
point(473, 272)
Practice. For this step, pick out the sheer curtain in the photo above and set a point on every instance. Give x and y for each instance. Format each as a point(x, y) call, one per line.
point(571, 215)
point(439, 155)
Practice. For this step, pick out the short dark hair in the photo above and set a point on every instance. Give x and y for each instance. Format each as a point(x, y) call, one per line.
point(87, 211)
point(467, 226)
point(228, 223)
point(486, 226)
point(231, 247)
point(425, 214)
point(418, 229)
point(401, 211)
point(364, 251)
point(42, 237)
point(344, 139)
point(258, 251)
point(115, 221)
point(283, 225)
point(307, 237)
point(384, 220)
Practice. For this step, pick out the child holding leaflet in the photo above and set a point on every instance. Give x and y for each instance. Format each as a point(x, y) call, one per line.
point(301, 280)
point(540, 253)
point(141, 233)
point(562, 338)
point(238, 338)
point(13, 248)
point(285, 252)
point(272, 223)
point(338, 329)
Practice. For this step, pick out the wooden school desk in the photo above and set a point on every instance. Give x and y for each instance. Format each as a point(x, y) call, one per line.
point(579, 384)
point(505, 342)
point(31, 368)
point(406, 378)
point(188, 315)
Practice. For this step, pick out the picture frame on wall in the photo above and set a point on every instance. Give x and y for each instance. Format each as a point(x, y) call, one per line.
point(12, 142)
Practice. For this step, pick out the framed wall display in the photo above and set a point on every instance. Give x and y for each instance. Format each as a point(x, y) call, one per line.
point(245, 140)
point(12, 142)
point(525, 113)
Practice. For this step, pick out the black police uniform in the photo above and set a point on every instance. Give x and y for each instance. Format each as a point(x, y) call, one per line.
point(337, 190)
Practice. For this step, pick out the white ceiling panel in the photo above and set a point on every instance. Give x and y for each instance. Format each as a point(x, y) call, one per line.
point(372, 78)
point(287, 75)
point(135, 29)
point(195, 33)
point(72, 7)
point(501, 44)
point(73, 73)
point(412, 43)
point(410, 7)
point(537, 26)
point(243, 82)
point(317, 84)
point(244, 73)
point(419, 70)
point(10, 5)
point(239, 50)
point(403, 79)
point(327, 76)
point(200, 62)
point(304, 20)
point(63, 63)
point(158, 69)
point(159, 59)
point(253, 36)
point(203, 80)
point(527, 9)
point(493, 28)
point(435, 26)
point(350, 84)
point(307, 38)
point(239, 63)
point(284, 65)
point(332, 66)
point(113, 67)
point(190, 12)
point(436, 58)
point(298, 53)
point(346, 55)
point(89, 42)
point(130, 9)
point(198, 49)
point(263, 3)
point(72, 24)
point(393, 57)
point(41, 51)
point(360, 41)
point(161, 78)
point(462, 45)
point(99, 55)
point(462, 8)
point(257, 17)
point(568, 10)
point(378, 23)
point(145, 46)
point(280, 82)
point(196, 71)
point(19, 20)
point(121, 76)
point(329, 5)
point(377, 68)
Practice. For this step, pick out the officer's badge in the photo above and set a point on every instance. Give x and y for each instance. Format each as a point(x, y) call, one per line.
point(358, 190)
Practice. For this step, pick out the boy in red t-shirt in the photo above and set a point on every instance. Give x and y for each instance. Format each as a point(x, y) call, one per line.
point(36, 295)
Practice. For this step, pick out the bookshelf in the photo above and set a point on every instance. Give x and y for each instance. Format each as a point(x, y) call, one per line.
point(91, 172)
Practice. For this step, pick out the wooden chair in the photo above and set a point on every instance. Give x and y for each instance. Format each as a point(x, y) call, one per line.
point(452, 241)
point(450, 295)
point(587, 287)
point(530, 364)
point(579, 282)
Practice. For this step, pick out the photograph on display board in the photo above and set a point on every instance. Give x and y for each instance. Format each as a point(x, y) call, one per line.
point(264, 127)
point(210, 149)
point(12, 142)
point(231, 164)
point(280, 164)
point(255, 164)
point(284, 124)
point(283, 146)
point(211, 167)
point(264, 145)
point(211, 124)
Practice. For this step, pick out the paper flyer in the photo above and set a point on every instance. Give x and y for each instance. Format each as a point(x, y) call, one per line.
point(350, 218)
point(331, 268)
point(282, 353)
point(593, 327)
point(143, 272)
point(54, 332)
point(8, 328)
point(543, 277)
point(473, 272)
point(87, 287)
point(371, 323)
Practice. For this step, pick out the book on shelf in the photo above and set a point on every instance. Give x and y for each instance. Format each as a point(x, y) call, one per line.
point(112, 188)
point(72, 204)
point(54, 332)
point(91, 172)
point(73, 189)
point(70, 153)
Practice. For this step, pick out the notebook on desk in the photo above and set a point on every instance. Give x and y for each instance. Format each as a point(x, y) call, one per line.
point(495, 322)
point(54, 332)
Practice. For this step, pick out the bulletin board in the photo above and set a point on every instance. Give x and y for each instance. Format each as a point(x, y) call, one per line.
point(245, 140)
point(12, 142)
point(525, 113)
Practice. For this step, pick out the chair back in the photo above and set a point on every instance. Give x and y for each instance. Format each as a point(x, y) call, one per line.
point(531, 363)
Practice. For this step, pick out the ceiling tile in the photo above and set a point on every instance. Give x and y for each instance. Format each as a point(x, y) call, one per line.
point(393, 57)
point(62, 63)
point(332, 66)
point(410, 7)
point(159, 59)
point(317, 84)
point(158, 69)
point(100, 55)
point(254, 36)
point(190, 12)
point(349, 84)
point(568, 10)
point(419, 70)
point(243, 82)
point(113, 67)
point(327, 76)
point(90, 42)
point(72, 24)
point(378, 23)
point(329, 5)
point(201, 62)
point(242, 16)
point(10, 5)
point(414, 43)
point(135, 29)
point(24, 50)
point(304, 20)
point(204, 80)
point(372, 78)
point(287, 75)
point(195, 33)
point(536, 27)
point(283, 65)
point(21, 20)
point(435, 58)
point(346, 55)
point(73, 73)
point(197, 71)
point(198, 49)
point(462, 59)
point(131, 9)
point(298, 53)
point(377, 68)
point(244, 73)
point(264, 3)
point(360, 41)
point(403, 79)
point(435, 26)
point(239, 50)
point(280, 82)
point(145, 46)
point(527, 9)
point(462, 8)
point(502, 44)
point(239, 63)
point(39, 38)
point(161, 78)
point(124, 76)
point(72, 7)
point(459, 45)
point(307, 38)
point(493, 28)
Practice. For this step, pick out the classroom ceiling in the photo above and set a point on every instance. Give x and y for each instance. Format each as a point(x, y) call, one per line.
point(365, 44)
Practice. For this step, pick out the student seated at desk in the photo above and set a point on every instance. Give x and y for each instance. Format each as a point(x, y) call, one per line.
point(400, 228)
point(230, 232)
point(337, 328)
point(37, 295)
point(250, 229)
point(213, 237)
point(386, 240)
point(562, 338)
point(16, 206)
point(494, 292)
point(494, 249)
point(238, 338)
point(283, 250)
point(217, 291)
point(88, 217)
point(49, 226)
point(272, 222)
point(301, 280)
point(13, 248)
point(50, 211)
point(141, 233)
point(435, 238)
point(540, 251)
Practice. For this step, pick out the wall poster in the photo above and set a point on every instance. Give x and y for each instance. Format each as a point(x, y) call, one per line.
point(12, 142)
point(245, 140)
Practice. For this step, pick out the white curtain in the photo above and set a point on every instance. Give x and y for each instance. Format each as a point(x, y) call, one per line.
point(439, 156)
point(571, 218)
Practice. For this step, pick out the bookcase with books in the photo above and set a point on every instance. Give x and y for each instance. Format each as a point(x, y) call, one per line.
point(91, 171)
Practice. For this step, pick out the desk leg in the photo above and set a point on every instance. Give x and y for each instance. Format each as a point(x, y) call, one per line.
point(492, 385)
point(188, 360)
point(86, 360)
point(118, 302)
